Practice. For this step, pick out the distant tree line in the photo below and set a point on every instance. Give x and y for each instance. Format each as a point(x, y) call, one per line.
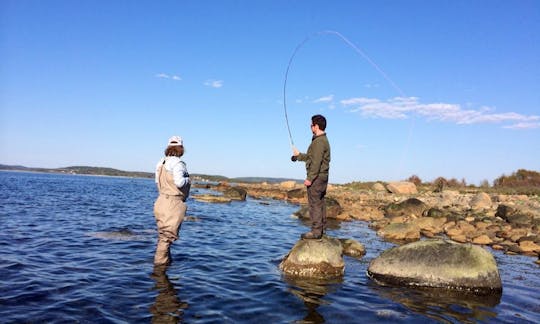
point(520, 178)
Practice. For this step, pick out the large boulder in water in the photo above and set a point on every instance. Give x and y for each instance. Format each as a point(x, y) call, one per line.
point(439, 264)
point(315, 259)
point(235, 193)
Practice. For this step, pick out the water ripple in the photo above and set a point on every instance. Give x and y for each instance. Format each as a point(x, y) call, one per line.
point(80, 249)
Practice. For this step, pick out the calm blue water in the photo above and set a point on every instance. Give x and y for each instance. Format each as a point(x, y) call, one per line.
point(80, 249)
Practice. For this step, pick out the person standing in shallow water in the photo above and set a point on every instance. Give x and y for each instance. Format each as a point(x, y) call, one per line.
point(173, 184)
point(317, 161)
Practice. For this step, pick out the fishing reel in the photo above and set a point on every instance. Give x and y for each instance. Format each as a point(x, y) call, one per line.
point(294, 158)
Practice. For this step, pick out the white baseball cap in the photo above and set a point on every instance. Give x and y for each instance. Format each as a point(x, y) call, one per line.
point(175, 141)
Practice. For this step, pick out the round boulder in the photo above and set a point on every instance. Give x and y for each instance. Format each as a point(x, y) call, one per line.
point(481, 201)
point(402, 188)
point(235, 193)
point(315, 259)
point(438, 264)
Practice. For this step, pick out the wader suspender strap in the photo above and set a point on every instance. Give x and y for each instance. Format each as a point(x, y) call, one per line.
point(160, 172)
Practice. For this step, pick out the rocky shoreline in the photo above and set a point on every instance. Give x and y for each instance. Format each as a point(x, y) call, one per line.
point(400, 213)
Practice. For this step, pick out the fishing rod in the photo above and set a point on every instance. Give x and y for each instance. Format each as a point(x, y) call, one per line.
point(356, 49)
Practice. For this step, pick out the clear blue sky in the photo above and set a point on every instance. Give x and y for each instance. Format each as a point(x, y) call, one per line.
point(106, 83)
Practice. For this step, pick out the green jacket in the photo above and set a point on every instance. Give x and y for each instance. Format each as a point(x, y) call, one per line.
point(317, 157)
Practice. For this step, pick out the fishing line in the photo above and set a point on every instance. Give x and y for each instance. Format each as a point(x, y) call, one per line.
point(357, 50)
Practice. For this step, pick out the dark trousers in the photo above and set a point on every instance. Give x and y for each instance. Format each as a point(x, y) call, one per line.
point(317, 205)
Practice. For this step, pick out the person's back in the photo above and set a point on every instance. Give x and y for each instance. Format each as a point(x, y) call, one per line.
point(173, 184)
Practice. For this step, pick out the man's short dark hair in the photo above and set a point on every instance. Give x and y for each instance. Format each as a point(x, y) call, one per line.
point(319, 120)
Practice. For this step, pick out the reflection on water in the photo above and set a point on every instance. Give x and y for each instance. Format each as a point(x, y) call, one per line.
point(167, 308)
point(442, 304)
point(312, 293)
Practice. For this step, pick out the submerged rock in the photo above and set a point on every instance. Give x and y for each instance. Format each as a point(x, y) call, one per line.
point(212, 198)
point(353, 248)
point(438, 264)
point(315, 259)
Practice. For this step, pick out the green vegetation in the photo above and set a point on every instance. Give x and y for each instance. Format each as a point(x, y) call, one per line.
point(521, 182)
point(520, 178)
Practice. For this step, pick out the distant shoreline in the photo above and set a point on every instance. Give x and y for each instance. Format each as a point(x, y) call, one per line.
point(110, 172)
point(72, 174)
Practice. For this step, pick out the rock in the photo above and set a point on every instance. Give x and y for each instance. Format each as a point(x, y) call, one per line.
point(402, 188)
point(366, 213)
point(497, 247)
point(287, 184)
point(212, 198)
point(430, 224)
point(448, 198)
point(529, 246)
point(481, 201)
point(352, 248)
point(333, 209)
point(434, 213)
point(461, 228)
point(400, 232)
point(438, 263)
point(513, 216)
point(378, 187)
point(235, 193)
point(297, 195)
point(482, 240)
point(411, 207)
point(315, 259)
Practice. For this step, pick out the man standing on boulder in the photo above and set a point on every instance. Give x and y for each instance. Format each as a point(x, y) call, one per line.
point(317, 161)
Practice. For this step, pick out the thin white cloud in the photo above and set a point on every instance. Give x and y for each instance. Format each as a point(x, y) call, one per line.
point(405, 107)
point(166, 76)
point(324, 99)
point(214, 83)
point(524, 126)
point(369, 85)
